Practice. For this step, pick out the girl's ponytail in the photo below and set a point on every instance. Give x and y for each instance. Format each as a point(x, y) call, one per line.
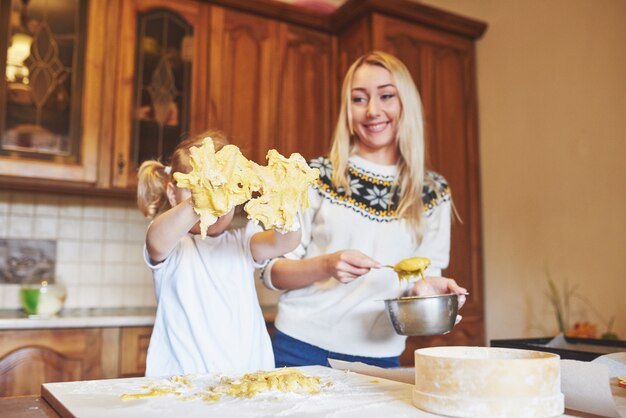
point(152, 180)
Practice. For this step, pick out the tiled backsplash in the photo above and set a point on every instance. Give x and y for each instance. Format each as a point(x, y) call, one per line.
point(99, 245)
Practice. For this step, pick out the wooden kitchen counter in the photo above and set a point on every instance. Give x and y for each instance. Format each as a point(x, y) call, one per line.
point(26, 407)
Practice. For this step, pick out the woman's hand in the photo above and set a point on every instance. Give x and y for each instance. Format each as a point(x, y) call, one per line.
point(348, 265)
point(439, 286)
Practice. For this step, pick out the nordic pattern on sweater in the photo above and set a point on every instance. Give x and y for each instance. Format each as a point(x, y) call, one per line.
point(376, 196)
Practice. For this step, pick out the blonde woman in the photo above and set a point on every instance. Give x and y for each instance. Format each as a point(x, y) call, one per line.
point(375, 204)
point(208, 318)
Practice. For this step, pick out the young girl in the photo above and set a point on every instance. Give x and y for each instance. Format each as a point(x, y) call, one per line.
point(208, 317)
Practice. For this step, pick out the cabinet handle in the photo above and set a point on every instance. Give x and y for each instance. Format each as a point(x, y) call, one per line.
point(121, 164)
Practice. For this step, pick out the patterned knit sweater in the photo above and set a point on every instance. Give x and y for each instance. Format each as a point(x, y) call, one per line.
point(351, 318)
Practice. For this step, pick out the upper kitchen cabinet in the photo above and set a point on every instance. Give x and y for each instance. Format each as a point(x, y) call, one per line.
point(271, 84)
point(160, 89)
point(49, 100)
point(305, 108)
point(243, 77)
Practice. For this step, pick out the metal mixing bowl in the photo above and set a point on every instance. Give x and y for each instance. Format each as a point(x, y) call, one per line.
point(423, 315)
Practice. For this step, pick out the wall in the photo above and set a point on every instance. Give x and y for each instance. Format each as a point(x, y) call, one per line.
point(99, 247)
point(552, 100)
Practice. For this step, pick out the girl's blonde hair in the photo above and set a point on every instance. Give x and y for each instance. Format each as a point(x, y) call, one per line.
point(153, 176)
point(410, 138)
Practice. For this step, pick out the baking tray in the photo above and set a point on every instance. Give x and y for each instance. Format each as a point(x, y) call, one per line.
point(583, 349)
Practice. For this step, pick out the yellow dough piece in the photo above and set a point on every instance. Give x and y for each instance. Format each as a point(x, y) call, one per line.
point(221, 180)
point(284, 380)
point(218, 181)
point(411, 267)
point(248, 386)
point(284, 184)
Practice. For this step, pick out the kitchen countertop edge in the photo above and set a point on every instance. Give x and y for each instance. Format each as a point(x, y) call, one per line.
point(16, 319)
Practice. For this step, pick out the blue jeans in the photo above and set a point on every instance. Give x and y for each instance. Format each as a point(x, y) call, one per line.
point(289, 352)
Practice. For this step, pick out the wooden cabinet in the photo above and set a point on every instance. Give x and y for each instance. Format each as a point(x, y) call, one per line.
point(29, 358)
point(80, 168)
point(134, 344)
point(271, 84)
point(160, 85)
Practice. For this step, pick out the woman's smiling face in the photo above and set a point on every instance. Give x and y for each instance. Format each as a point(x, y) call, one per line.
point(376, 109)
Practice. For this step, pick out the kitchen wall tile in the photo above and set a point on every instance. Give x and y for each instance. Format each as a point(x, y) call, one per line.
point(5, 198)
point(135, 275)
point(91, 229)
point(114, 232)
point(88, 295)
point(71, 207)
point(11, 296)
point(115, 211)
point(46, 227)
point(47, 205)
point(68, 251)
point(93, 208)
point(113, 252)
point(22, 204)
point(91, 252)
point(99, 247)
point(136, 231)
point(112, 296)
point(20, 226)
point(69, 229)
point(4, 224)
point(72, 297)
point(90, 274)
point(133, 253)
point(149, 298)
point(147, 278)
point(114, 274)
point(68, 273)
point(134, 215)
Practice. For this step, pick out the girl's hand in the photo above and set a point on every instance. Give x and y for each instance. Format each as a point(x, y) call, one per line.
point(437, 286)
point(348, 265)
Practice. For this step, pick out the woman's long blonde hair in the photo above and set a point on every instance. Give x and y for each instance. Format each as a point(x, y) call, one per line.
point(154, 176)
point(410, 138)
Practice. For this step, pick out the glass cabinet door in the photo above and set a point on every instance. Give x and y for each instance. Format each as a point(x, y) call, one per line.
point(162, 84)
point(43, 72)
point(53, 62)
point(161, 89)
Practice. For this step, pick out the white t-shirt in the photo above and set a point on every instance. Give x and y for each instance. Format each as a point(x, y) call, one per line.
point(351, 318)
point(208, 316)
